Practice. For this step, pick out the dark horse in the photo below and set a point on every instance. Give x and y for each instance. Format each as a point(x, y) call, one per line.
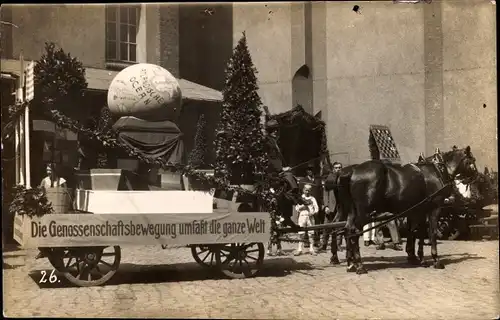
point(376, 190)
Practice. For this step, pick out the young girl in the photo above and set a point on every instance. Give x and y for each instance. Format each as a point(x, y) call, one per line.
point(306, 212)
point(52, 179)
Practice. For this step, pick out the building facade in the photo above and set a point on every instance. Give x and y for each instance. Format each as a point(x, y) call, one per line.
point(428, 71)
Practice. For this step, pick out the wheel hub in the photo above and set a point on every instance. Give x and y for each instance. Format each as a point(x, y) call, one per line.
point(91, 258)
point(242, 254)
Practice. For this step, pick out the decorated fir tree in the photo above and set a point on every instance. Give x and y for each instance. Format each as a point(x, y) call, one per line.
point(104, 125)
point(197, 155)
point(239, 142)
point(60, 83)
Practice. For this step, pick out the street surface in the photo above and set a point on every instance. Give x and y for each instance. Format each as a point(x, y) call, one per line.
point(152, 282)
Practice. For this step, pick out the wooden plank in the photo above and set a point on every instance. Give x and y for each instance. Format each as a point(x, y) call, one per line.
point(147, 202)
point(80, 230)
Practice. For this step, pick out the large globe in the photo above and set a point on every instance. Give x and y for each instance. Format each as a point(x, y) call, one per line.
point(145, 91)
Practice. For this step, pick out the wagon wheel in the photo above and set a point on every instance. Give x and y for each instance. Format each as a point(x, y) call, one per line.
point(240, 260)
point(86, 266)
point(443, 227)
point(52, 254)
point(204, 255)
point(447, 228)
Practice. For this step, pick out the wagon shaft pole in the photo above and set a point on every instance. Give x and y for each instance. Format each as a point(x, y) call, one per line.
point(333, 225)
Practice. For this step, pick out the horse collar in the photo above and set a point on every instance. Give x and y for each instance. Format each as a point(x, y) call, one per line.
point(444, 176)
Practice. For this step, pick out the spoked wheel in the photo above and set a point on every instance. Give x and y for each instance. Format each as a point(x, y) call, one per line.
point(87, 266)
point(445, 227)
point(240, 260)
point(205, 255)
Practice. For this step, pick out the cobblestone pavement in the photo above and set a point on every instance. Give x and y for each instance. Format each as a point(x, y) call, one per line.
point(152, 282)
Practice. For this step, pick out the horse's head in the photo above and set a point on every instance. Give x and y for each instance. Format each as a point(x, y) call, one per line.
point(460, 162)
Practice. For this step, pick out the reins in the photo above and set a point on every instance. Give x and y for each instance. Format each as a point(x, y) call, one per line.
point(385, 222)
point(399, 215)
point(445, 184)
point(390, 219)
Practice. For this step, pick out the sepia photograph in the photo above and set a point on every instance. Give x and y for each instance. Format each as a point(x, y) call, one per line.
point(250, 160)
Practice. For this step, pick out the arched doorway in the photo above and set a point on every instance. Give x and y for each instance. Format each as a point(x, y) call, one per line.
point(302, 89)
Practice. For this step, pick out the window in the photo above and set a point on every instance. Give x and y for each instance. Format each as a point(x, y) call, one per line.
point(121, 31)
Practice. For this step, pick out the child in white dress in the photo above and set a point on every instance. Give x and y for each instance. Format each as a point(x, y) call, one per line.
point(306, 212)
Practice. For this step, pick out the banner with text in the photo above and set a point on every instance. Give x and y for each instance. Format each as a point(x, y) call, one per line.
point(56, 230)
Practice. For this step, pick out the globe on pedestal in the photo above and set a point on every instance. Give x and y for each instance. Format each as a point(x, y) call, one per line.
point(145, 91)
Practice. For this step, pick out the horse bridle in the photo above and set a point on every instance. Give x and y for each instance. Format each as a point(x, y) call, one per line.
point(450, 177)
point(454, 174)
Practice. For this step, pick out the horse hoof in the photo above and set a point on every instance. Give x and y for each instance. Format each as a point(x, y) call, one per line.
point(361, 270)
point(351, 268)
point(438, 265)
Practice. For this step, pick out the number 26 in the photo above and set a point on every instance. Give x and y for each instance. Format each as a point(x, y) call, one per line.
point(52, 277)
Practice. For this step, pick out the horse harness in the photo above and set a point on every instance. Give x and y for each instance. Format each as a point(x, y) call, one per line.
point(445, 180)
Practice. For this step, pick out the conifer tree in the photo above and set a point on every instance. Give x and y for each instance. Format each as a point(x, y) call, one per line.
point(60, 83)
point(197, 155)
point(104, 125)
point(240, 141)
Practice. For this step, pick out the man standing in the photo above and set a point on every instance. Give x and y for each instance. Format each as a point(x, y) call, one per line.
point(330, 205)
point(291, 195)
